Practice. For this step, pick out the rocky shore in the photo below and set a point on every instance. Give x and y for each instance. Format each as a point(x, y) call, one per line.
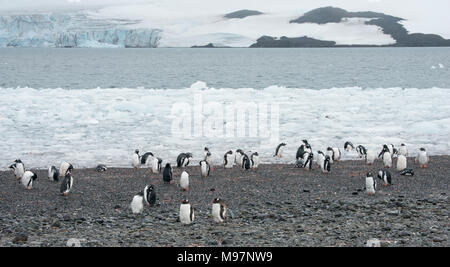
point(277, 205)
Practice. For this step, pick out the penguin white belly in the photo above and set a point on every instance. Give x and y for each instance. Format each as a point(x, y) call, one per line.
point(20, 170)
point(63, 169)
point(204, 169)
point(280, 152)
point(185, 214)
point(136, 162)
point(216, 213)
point(423, 158)
point(229, 164)
point(401, 163)
point(370, 157)
point(26, 180)
point(330, 153)
point(320, 161)
point(155, 165)
point(255, 162)
point(184, 181)
point(387, 160)
point(337, 153)
point(209, 160)
point(239, 159)
point(137, 205)
point(370, 186)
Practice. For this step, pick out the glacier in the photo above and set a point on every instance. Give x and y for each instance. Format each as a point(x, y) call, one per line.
point(77, 29)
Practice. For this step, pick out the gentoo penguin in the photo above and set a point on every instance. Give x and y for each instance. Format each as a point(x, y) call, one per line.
point(205, 168)
point(336, 154)
point(149, 195)
point(186, 212)
point(101, 168)
point(279, 150)
point(305, 147)
point(385, 176)
point(407, 172)
point(320, 159)
point(147, 158)
point(401, 163)
point(362, 151)
point(219, 210)
point(422, 158)
point(66, 184)
point(330, 152)
point(137, 205)
point(28, 179)
point(246, 163)
point(326, 166)
point(348, 146)
point(184, 181)
point(370, 157)
point(402, 150)
point(65, 168)
point(371, 184)
point(136, 159)
point(156, 165)
point(19, 168)
point(254, 158)
point(239, 157)
point(387, 160)
point(183, 159)
point(167, 174)
point(53, 174)
point(308, 160)
point(384, 150)
point(208, 158)
point(228, 160)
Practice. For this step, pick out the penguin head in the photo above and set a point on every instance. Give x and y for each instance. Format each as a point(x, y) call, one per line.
point(34, 177)
point(136, 151)
point(188, 155)
point(256, 154)
point(217, 200)
point(18, 161)
point(422, 149)
point(329, 149)
point(319, 152)
point(13, 167)
point(185, 201)
point(141, 193)
point(283, 144)
point(230, 152)
point(206, 149)
point(402, 144)
point(305, 141)
point(369, 174)
point(167, 165)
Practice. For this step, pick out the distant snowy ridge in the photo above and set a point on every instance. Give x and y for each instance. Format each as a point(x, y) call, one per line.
point(73, 30)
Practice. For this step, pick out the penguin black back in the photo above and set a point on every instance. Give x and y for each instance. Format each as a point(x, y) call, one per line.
point(246, 162)
point(167, 173)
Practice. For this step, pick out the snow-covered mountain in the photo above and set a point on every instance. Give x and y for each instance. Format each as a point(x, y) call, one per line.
point(134, 26)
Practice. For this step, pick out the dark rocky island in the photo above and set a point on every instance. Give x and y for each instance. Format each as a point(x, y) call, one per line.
point(389, 24)
point(240, 14)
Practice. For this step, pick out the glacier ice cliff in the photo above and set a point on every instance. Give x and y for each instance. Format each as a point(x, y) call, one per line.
point(73, 30)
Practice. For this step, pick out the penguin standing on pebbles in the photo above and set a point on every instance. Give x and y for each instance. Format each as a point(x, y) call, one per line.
point(385, 176)
point(308, 161)
point(422, 158)
point(362, 151)
point(254, 158)
point(19, 168)
point(66, 184)
point(387, 159)
point(53, 174)
point(320, 159)
point(370, 157)
point(228, 160)
point(305, 147)
point(167, 174)
point(147, 158)
point(279, 150)
point(330, 152)
point(156, 165)
point(326, 166)
point(101, 168)
point(208, 158)
point(401, 163)
point(65, 168)
point(348, 146)
point(239, 157)
point(149, 195)
point(219, 210)
point(205, 168)
point(28, 179)
point(371, 184)
point(186, 212)
point(402, 150)
point(246, 163)
point(184, 181)
point(137, 205)
point(136, 159)
point(183, 159)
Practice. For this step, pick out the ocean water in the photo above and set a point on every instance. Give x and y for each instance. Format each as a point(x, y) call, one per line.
point(91, 106)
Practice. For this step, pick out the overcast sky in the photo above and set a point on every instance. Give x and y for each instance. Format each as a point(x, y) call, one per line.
point(423, 16)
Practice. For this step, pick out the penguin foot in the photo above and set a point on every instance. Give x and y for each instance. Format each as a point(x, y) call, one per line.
point(29, 188)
